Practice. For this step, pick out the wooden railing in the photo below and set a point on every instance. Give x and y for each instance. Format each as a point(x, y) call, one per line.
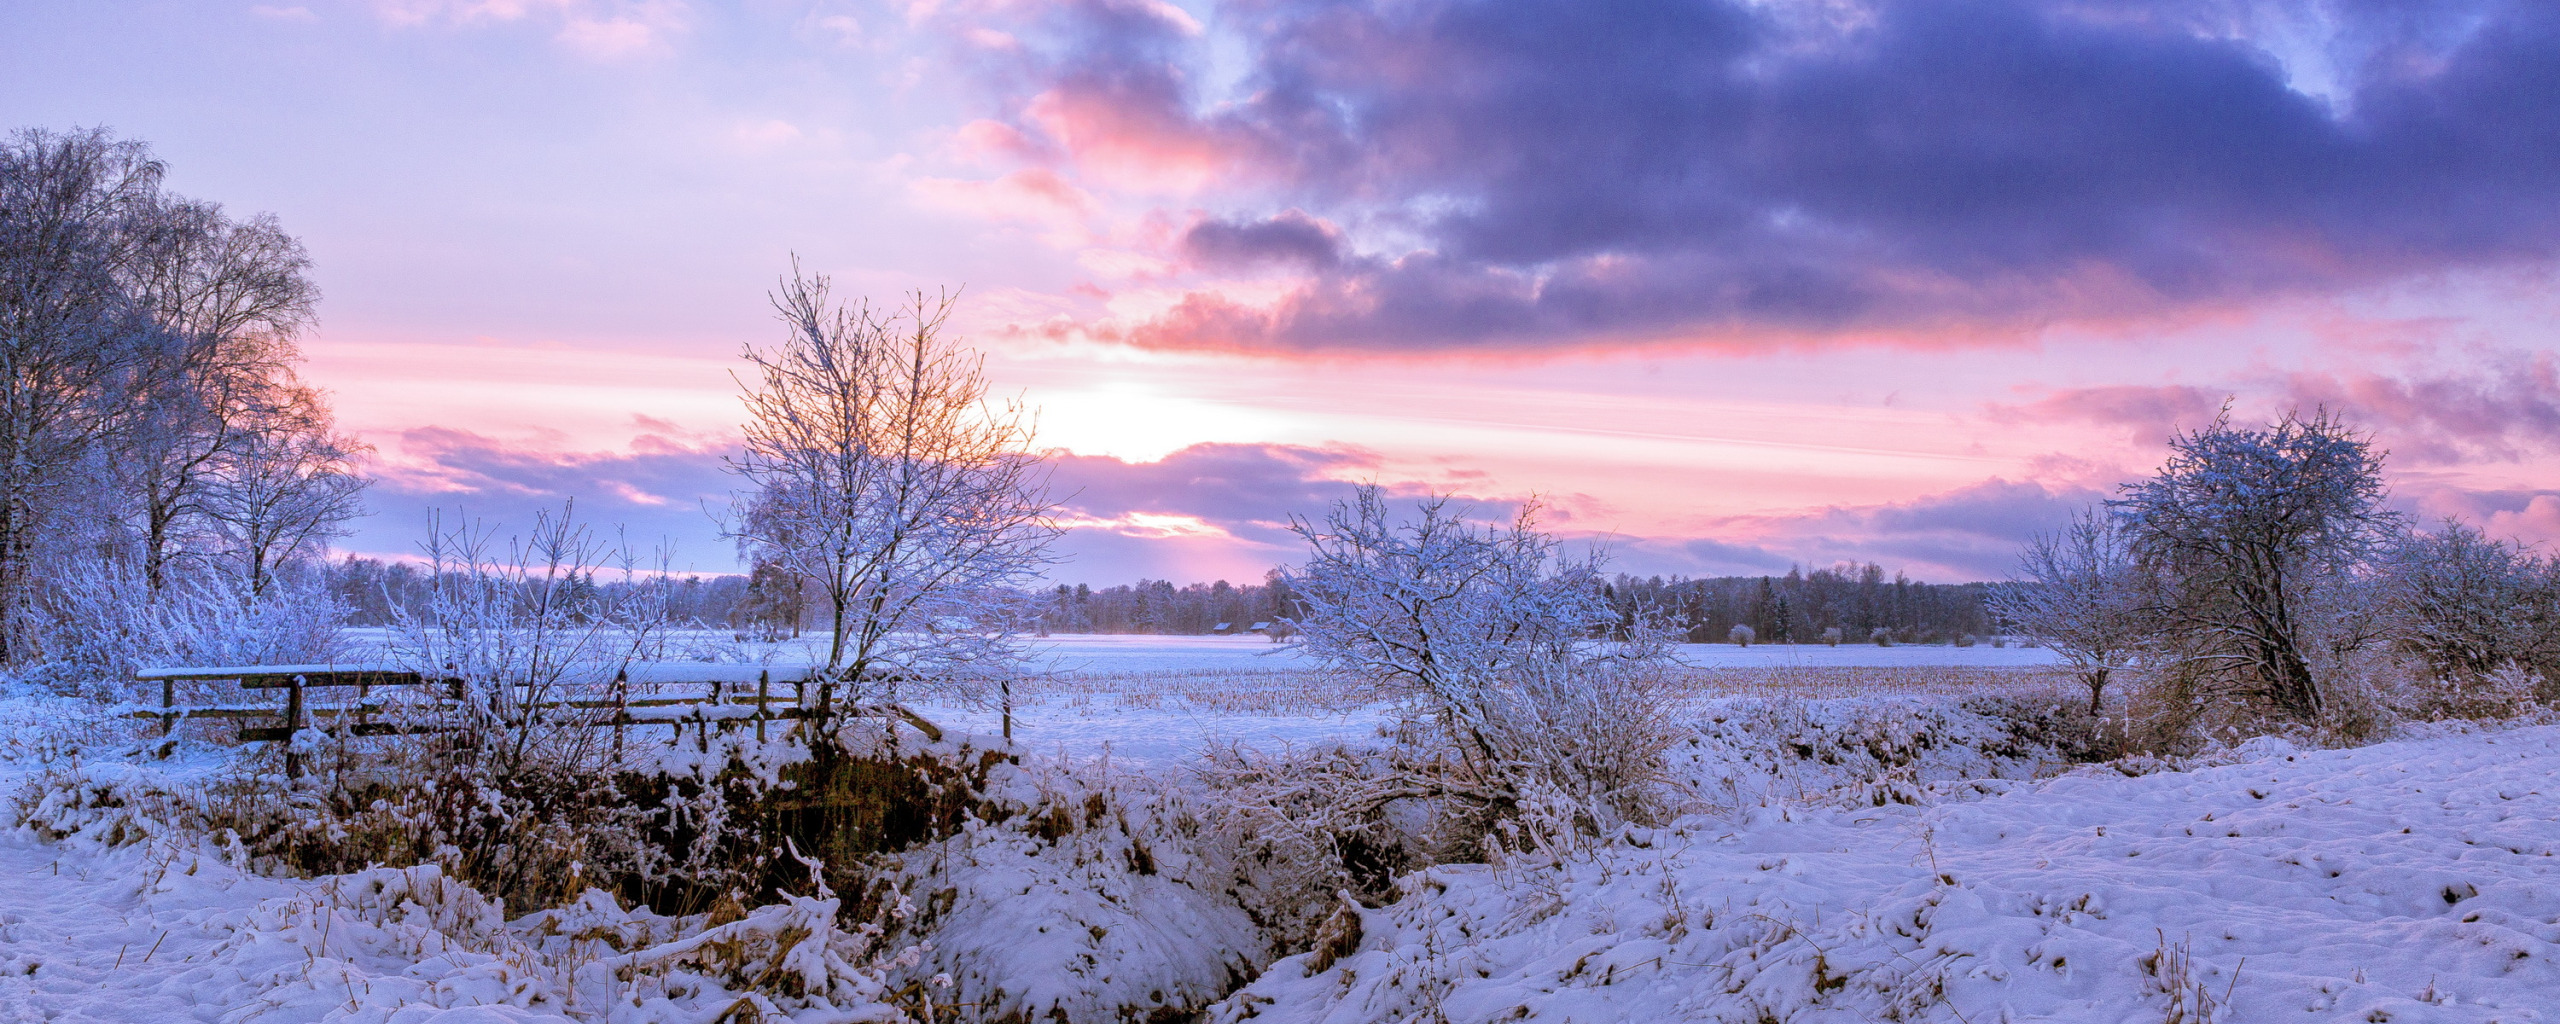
point(732, 696)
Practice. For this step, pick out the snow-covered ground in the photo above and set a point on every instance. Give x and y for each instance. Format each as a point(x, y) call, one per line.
point(1158, 698)
point(2416, 880)
point(2407, 881)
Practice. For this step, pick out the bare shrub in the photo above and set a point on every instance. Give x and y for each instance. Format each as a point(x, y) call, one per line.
point(1489, 633)
point(2080, 595)
point(506, 779)
point(2468, 607)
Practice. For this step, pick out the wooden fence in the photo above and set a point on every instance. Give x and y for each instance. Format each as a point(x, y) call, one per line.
point(729, 696)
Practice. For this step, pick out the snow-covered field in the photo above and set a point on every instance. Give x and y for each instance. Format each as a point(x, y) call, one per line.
point(1860, 859)
point(2416, 880)
point(1107, 653)
point(1158, 698)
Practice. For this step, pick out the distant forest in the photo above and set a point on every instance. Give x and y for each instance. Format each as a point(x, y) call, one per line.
point(1799, 607)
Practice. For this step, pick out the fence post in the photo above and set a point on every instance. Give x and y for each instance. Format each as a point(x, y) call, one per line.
point(621, 706)
point(764, 691)
point(292, 727)
point(168, 705)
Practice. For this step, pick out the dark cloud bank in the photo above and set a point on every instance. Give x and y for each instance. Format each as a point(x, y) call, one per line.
point(1564, 171)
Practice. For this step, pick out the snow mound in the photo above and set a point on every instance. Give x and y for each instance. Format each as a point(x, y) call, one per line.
point(2407, 881)
point(1085, 903)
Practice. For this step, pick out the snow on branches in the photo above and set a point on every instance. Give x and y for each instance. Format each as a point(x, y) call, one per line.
point(1497, 638)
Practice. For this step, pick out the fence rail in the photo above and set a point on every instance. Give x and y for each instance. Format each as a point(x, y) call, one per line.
point(724, 702)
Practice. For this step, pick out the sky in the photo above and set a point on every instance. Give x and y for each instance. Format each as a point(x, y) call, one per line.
point(1730, 285)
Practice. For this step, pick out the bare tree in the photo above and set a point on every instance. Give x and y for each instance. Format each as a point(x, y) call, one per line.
point(231, 296)
point(2079, 593)
point(282, 488)
point(887, 479)
point(2251, 531)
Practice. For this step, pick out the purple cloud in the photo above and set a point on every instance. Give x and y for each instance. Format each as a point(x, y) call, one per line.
point(1558, 173)
point(663, 491)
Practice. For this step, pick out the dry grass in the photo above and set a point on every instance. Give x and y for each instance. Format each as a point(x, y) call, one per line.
point(1812, 683)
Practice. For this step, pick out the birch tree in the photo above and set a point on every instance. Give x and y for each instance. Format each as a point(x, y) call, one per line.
point(888, 479)
point(230, 296)
point(71, 336)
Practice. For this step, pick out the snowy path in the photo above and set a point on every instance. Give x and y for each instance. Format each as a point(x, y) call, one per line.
point(80, 942)
point(144, 935)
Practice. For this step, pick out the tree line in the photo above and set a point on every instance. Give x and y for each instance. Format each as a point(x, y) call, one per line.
point(1846, 603)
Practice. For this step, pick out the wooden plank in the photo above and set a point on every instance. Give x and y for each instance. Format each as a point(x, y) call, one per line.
point(335, 677)
point(292, 724)
point(279, 734)
point(236, 671)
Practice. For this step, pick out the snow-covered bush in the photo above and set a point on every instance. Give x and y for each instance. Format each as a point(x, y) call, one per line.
point(1740, 635)
point(1081, 896)
point(506, 779)
point(2468, 607)
point(1489, 632)
point(103, 619)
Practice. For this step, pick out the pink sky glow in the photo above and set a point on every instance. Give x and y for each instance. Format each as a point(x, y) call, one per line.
point(1243, 255)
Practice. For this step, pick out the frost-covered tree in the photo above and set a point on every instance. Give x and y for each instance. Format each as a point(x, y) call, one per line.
point(2078, 592)
point(2256, 535)
point(148, 410)
point(2468, 605)
point(888, 479)
point(280, 489)
point(1492, 633)
point(71, 335)
point(230, 296)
